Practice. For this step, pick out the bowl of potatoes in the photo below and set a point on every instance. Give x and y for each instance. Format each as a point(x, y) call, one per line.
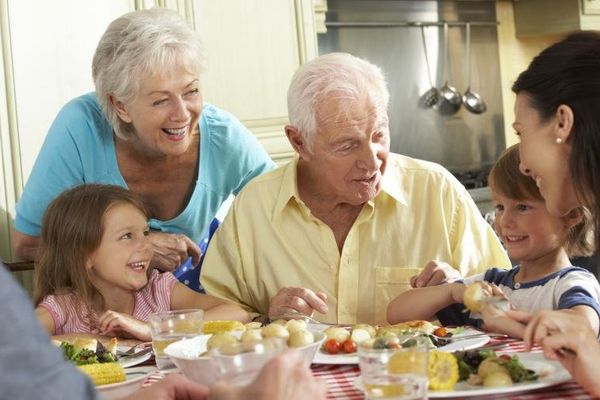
point(197, 357)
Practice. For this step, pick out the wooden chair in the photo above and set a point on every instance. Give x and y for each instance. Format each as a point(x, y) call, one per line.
point(19, 266)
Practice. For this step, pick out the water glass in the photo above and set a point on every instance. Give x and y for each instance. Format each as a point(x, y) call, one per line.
point(394, 370)
point(170, 326)
point(238, 364)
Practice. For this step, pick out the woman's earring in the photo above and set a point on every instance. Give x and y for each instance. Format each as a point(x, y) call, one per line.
point(559, 140)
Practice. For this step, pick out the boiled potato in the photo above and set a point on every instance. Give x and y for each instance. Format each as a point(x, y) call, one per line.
point(295, 325)
point(220, 340)
point(369, 328)
point(252, 335)
point(489, 366)
point(497, 378)
point(275, 330)
point(360, 335)
point(473, 297)
point(301, 338)
point(339, 334)
point(279, 322)
point(253, 325)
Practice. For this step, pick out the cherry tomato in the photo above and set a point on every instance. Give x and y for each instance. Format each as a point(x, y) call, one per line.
point(332, 346)
point(441, 331)
point(504, 357)
point(349, 346)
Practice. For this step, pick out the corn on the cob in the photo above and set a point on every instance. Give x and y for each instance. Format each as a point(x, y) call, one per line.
point(222, 326)
point(103, 374)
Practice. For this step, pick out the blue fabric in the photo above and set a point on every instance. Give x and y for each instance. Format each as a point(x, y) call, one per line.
point(79, 148)
point(186, 273)
point(30, 367)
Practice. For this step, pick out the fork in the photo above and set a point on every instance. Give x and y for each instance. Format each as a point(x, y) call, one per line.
point(298, 315)
point(450, 339)
point(131, 351)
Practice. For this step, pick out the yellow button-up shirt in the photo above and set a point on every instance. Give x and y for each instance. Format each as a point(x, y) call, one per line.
point(270, 240)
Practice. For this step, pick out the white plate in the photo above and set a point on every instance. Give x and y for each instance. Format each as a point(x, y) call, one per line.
point(135, 378)
point(133, 360)
point(553, 374)
point(467, 344)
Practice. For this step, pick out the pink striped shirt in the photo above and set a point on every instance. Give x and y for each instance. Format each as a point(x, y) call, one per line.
point(154, 297)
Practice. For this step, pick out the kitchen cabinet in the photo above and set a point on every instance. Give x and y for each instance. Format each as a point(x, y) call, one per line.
point(253, 49)
point(544, 17)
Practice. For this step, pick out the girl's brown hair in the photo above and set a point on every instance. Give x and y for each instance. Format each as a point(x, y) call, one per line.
point(506, 178)
point(72, 230)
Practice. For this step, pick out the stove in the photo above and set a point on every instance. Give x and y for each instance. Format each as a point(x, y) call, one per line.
point(473, 179)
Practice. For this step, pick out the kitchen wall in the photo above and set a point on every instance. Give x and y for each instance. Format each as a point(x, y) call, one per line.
point(515, 55)
point(465, 143)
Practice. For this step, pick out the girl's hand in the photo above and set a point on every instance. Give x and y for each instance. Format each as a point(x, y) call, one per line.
point(172, 249)
point(112, 323)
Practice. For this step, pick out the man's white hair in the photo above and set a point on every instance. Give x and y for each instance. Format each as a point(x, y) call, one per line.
point(333, 76)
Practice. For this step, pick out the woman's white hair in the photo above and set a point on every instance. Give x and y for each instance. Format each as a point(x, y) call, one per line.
point(333, 76)
point(136, 45)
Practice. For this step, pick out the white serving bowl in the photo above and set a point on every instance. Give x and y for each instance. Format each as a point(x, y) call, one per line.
point(185, 354)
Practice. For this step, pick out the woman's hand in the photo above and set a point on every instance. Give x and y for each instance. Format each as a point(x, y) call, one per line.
point(172, 249)
point(112, 323)
point(284, 377)
point(565, 336)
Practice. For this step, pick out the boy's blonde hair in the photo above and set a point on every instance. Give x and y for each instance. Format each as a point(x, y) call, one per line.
point(72, 229)
point(506, 178)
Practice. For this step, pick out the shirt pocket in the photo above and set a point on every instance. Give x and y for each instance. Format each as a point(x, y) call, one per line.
point(389, 283)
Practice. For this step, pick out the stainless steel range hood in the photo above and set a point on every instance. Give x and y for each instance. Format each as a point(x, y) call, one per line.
point(386, 32)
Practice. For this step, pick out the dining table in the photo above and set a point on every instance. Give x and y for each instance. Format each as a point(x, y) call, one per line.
point(340, 379)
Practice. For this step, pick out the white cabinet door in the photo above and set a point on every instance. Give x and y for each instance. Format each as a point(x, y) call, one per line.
point(47, 49)
point(253, 49)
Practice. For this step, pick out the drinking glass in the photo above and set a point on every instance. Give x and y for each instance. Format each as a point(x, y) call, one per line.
point(170, 326)
point(396, 369)
point(238, 364)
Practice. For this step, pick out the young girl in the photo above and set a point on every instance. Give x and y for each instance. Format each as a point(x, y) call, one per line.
point(541, 242)
point(93, 272)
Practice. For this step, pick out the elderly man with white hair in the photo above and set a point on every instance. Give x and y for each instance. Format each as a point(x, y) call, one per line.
point(343, 228)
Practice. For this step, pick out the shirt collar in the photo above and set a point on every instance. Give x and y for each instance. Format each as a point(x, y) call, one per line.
point(289, 188)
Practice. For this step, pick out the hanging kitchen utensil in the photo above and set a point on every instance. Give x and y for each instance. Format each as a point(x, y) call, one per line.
point(471, 100)
point(431, 97)
point(450, 97)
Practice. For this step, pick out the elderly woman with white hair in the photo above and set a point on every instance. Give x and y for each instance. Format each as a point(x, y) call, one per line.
point(145, 128)
point(344, 227)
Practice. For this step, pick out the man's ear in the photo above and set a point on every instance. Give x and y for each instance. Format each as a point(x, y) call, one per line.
point(297, 141)
point(565, 122)
point(120, 109)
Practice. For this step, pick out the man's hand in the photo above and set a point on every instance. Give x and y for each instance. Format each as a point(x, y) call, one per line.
point(172, 249)
point(296, 299)
point(435, 273)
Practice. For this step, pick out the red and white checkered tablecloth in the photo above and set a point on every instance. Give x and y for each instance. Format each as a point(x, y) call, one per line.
point(340, 381)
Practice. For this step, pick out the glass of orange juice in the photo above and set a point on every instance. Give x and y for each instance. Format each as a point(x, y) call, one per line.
point(394, 368)
point(170, 326)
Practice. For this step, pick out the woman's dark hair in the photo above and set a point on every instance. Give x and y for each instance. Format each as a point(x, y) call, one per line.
point(568, 72)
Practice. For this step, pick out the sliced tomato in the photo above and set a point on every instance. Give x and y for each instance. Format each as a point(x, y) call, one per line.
point(332, 346)
point(441, 331)
point(349, 346)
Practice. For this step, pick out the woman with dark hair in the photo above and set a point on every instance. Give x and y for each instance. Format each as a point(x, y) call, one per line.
point(557, 117)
